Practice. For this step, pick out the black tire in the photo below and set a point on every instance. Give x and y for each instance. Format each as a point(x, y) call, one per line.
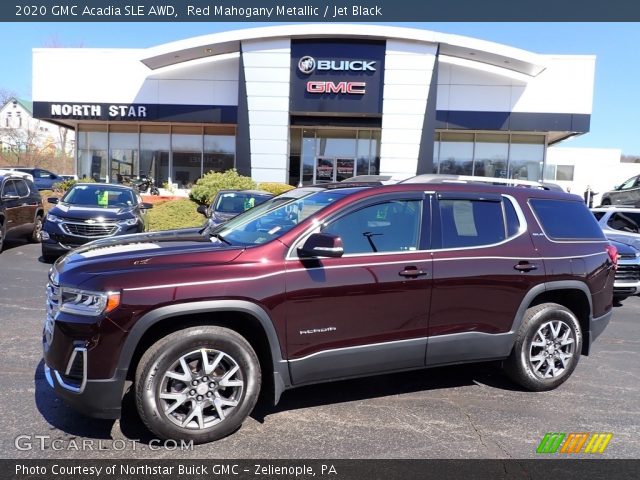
point(165, 357)
point(36, 234)
point(154, 191)
point(547, 366)
point(47, 256)
point(605, 202)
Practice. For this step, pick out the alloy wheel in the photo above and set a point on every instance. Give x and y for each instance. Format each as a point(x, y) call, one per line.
point(201, 389)
point(552, 349)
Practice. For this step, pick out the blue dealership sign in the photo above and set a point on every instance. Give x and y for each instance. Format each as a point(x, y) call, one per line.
point(337, 77)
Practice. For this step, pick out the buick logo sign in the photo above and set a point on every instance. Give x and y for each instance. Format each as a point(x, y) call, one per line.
point(307, 65)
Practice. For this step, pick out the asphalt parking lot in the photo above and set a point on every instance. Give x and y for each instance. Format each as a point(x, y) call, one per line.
point(469, 411)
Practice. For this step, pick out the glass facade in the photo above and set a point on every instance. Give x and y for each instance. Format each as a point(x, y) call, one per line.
point(179, 154)
point(319, 155)
point(489, 154)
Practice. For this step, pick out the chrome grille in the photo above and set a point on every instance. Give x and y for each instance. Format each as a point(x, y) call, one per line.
point(628, 273)
point(89, 230)
point(53, 306)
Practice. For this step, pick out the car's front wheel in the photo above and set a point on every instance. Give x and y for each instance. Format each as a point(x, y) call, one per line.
point(197, 384)
point(547, 348)
point(36, 234)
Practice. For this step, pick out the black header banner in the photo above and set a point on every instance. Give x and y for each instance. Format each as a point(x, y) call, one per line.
point(318, 10)
point(307, 469)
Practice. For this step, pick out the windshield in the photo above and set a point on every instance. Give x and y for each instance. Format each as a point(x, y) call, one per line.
point(99, 196)
point(277, 216)
point(237, 202)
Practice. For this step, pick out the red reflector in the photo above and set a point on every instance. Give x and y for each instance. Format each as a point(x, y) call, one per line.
point(613, 254)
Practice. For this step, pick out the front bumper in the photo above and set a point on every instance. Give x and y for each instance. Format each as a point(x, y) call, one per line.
point(94, 398)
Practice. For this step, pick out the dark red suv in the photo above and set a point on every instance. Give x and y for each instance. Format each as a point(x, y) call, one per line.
point(324, 283)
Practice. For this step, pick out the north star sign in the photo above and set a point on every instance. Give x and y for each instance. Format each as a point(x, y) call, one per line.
point(92, 110)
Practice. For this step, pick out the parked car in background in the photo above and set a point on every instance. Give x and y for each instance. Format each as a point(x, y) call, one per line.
point(620, 223)
point(627, 193)
point(68, 177)
point(229, 203)
point(324, 283)
point(21, 209)
point(89, 211)
point(43, 179)
point(627, 281)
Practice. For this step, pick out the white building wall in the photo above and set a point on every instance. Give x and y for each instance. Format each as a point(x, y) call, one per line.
point(267, 74)
point(118, 76)
point(407, 78)
point(598, 168)
point(564, 86)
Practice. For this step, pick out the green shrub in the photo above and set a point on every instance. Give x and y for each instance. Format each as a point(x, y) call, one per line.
point(206, 187)
point(62, 187)
point(169, 214)
point(275, 188)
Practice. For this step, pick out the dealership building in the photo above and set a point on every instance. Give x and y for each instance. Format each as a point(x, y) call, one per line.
point(308, 103)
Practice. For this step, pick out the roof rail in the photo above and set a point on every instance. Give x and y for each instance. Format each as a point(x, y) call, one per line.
point(512, 182)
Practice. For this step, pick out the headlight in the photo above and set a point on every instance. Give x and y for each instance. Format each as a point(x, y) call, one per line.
point(82, 302)
point(129, 221)
point(53, 218)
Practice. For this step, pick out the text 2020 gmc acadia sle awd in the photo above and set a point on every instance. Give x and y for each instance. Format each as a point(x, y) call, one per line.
point(321, 284)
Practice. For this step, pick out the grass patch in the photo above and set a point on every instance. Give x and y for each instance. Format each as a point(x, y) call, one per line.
point(169, 214)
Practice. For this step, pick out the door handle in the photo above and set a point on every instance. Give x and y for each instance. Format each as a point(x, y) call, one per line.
point(412, 272)
point(525, 266)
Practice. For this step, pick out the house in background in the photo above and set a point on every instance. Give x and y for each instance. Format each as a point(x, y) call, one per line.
point(29, 142)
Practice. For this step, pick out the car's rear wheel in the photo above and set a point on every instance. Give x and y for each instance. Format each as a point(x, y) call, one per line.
point(547, 348)
point(197, 384)
point(36, 234)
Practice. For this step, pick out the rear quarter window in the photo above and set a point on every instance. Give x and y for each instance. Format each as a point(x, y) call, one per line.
point(566, 219)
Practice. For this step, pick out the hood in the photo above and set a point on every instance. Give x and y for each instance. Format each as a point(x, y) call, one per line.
point(143, 253)
point(623, 247)
point(80, 212)
point(627, 242)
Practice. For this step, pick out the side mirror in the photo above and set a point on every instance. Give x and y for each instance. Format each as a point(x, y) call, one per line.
point(146, 206)
point(53, 200)
point(202, 209)
point(321, 245)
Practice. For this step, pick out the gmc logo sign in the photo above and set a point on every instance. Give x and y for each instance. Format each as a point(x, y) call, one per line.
point(354, 88)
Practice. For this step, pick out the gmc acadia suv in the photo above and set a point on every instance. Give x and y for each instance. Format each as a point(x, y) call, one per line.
point(325, 283)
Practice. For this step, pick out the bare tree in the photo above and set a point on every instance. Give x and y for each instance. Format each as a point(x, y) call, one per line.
point(5, 95)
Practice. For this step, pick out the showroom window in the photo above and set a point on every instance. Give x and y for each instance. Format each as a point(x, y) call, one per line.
point(93, 144)
point(489, 154)
point(123, 148)
point(180, 153)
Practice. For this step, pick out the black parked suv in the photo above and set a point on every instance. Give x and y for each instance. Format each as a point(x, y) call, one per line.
point(90, 211)
point(326, 283)
point(21, 209)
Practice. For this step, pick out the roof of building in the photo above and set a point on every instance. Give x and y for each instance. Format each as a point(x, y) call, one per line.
point(26, 104)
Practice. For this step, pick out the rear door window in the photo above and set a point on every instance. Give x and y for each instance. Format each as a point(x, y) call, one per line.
point(473, 223)
point(566, 219)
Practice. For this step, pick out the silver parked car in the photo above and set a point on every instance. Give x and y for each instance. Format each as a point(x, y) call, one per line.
point(620, 223)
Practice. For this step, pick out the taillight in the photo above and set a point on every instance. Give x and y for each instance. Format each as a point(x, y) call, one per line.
point(613, 254)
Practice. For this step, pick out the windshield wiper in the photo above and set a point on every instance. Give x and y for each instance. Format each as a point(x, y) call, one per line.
point(220, 237)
